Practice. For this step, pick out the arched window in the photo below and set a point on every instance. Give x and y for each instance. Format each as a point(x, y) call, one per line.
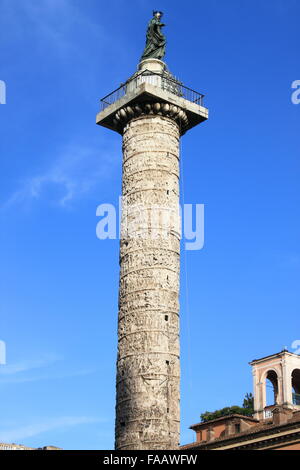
point(271, 388)
point(296, 386)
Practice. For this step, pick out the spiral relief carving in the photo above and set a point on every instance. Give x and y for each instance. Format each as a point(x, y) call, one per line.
point(148, 361)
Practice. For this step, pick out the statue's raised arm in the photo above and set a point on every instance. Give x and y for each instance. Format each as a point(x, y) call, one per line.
point(155, 40)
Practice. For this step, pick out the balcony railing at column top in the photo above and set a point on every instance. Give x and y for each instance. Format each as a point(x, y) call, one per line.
point(157, 79)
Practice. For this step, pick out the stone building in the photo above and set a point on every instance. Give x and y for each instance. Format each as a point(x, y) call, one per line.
point(272, 427)
point(4, 446)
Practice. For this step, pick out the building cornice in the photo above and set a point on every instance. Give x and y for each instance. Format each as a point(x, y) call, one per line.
point(253, 438)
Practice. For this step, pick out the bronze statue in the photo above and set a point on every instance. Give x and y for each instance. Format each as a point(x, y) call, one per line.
point(155, 40)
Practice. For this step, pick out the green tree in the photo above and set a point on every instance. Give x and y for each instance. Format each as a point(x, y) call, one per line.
point(248, 401)
point(245, 410)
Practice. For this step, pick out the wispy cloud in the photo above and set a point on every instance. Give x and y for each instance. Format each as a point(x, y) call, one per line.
point(289, 260)
point(49, 376)
point(25, 432)
point(28, 365)
point(54, 21)
point(76, 172)
point(25, 370)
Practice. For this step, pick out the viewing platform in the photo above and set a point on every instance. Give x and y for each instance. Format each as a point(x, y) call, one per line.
point(151, 84)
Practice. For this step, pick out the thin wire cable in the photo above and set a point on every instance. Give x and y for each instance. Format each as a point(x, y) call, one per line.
point(187, 302)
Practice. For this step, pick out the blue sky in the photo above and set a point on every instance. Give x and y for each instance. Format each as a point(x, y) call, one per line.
point(59, 282)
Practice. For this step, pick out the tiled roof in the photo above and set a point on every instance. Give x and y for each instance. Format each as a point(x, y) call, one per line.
point(284, 351)
point(256, 429)
point(223, 418)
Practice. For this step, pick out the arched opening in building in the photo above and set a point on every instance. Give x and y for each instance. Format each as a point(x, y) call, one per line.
point(296, 386)
point(271, 388)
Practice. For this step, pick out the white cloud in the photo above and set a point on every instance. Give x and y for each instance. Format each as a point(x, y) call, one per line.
point(76, 172)
point(19, 372)
point(24, 432)
point(28, 365)
point(50, 376)
point(54, 21)
point(289, 260)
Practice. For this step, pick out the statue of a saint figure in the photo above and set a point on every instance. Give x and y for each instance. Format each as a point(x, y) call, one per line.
point(155, 40)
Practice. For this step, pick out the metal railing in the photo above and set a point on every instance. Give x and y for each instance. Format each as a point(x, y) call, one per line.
point(160, 80)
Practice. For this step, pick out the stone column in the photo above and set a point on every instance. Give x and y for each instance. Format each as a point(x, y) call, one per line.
point(147, 412)
point(257, 390)
point(151, 111)
point(287, 382)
